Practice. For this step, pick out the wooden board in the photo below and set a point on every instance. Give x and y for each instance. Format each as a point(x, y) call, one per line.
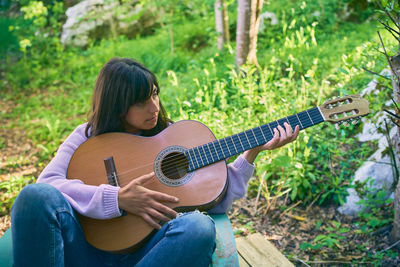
point(255, 250)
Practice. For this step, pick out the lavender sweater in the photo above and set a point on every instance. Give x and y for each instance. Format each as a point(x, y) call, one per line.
point(101, 202)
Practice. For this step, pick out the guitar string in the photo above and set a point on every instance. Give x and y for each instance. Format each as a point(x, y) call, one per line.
point(173, 164)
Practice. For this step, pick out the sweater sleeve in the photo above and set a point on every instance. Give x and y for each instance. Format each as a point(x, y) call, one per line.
point(239, 173)
point(99, 202)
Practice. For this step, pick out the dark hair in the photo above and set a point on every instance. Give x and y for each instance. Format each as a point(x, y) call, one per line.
point(122, 82)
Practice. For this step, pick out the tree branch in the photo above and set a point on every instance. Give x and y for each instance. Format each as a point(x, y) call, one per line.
point(388, 14)
point(388, 27)
point(387, 57)
point(375, 73)
point(390, 31)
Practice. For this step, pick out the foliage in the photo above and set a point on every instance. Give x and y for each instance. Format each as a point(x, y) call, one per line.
point(9, 191)
point(375, 205)
point(376, 215)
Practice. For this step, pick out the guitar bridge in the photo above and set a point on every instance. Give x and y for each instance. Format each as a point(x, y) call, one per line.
point(112, 175)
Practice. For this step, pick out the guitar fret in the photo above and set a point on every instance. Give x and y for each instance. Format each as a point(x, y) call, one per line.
point(316, 114)
point(273, 126)
point(234, 146)
point(210, 153)
point(222, 150)
point(215, 149)
point(304, 117)
point(255, 137)
point(241, 142)
point(190, 159)
point(201, 158)
point(248, 141)
point(309, 117)
point(205, 155)
point(259, 136)
point(299, 121)
point(262, 132)
point(272, 132)
point(293, 121)
point(196, 157)
point(227, 146)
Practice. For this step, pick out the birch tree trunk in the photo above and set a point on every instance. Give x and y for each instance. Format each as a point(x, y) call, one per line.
point(219, 23)
point(256, 7)
point(226, 21)
point(242, 32)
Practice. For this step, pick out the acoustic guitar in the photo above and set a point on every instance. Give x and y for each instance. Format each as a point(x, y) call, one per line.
point(188, 162)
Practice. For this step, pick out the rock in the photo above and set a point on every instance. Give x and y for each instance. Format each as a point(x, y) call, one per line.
point(379, 165)
point(98, 19)
point(265, 16)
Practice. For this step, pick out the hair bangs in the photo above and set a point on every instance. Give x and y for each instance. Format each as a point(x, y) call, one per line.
point(142, 86)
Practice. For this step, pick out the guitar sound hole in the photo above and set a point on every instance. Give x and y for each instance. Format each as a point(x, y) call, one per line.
point(174, 165)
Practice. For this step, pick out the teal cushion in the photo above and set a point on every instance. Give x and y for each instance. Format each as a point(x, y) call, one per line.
point(6, 255)
point(225, 252)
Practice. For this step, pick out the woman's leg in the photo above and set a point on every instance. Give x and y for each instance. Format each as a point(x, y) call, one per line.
point(46, 232)
point(188, 240)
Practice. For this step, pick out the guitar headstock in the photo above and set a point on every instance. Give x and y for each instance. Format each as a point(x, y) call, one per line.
point(345, 109)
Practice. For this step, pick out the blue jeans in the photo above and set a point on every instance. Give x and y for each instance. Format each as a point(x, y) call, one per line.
point(46, 232)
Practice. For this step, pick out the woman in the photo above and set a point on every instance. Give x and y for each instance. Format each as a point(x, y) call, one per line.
point(45, 228)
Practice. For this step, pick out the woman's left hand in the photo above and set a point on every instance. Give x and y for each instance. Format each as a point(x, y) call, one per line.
point(282, 136)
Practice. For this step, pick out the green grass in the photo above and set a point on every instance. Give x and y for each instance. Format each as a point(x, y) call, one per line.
point(8, 41)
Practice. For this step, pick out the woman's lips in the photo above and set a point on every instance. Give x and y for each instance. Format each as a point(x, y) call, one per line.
point(153, 118)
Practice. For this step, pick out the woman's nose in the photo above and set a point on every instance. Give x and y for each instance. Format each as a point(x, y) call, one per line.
point(154, 106)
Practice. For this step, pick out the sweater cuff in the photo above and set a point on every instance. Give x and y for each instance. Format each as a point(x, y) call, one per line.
point(246, 168)
point(110, 201)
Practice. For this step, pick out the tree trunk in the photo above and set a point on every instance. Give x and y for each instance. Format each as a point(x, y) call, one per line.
point(395, 66)
point(256, 7)
point(226, 21)
point(242, 32)
point(219, 23)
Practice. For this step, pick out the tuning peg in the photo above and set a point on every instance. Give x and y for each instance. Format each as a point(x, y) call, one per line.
point(345, 123)
point(337, 126)
point(356, 120)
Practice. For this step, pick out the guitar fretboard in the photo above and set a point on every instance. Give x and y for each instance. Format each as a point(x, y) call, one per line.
point(229, 146)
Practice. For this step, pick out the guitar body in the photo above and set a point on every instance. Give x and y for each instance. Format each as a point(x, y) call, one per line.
point(135, 156)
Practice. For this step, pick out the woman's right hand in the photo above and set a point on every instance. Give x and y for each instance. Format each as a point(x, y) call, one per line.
point(136, 199)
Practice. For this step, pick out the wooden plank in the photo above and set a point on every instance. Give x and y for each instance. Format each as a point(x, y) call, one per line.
point(242, 262)
point(258, 251)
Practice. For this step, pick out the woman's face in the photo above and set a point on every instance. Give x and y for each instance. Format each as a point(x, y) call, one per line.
point(143, 116)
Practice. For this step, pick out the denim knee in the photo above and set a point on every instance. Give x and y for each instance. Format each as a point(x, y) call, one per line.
point(38, 196)
point(201, 228)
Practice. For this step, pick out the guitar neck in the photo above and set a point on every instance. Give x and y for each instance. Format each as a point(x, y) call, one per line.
point(232, 145)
